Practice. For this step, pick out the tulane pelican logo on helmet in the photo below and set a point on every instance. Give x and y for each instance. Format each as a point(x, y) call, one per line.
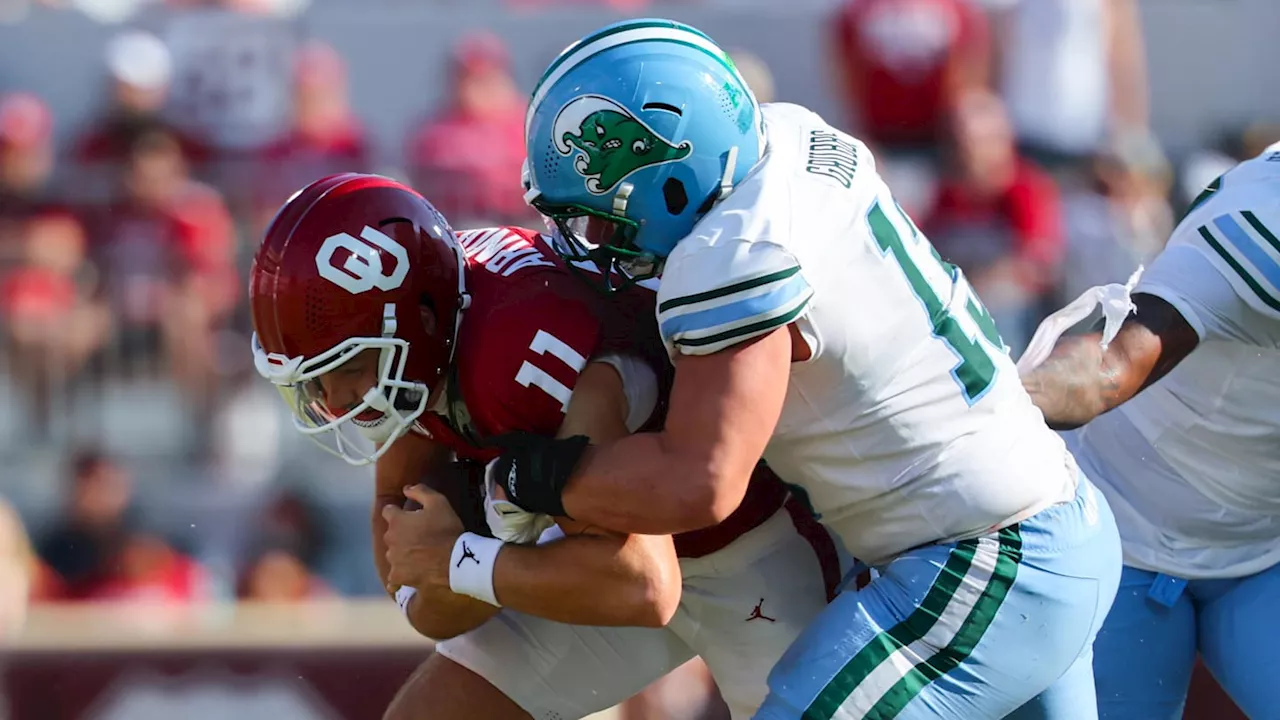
point(611, 142)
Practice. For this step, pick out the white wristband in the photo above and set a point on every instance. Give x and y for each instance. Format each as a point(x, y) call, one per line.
point(403, 596)
point(471, 567)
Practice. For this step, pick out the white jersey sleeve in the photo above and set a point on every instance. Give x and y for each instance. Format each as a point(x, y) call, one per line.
point(716, 294)
point(1221, 269)
point(1206, 299)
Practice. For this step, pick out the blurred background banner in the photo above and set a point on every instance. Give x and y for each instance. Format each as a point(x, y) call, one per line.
point(149, 480)
point(320, 661)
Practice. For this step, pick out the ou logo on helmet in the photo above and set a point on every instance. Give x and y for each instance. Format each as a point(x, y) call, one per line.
point(363, 270)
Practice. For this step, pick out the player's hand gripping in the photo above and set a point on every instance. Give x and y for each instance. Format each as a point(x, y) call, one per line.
point(419, 542)
point(510, 522)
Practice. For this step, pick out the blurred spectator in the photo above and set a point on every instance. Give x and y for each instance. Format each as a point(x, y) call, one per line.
point(51, 325)
point(166, 254)
point(1256, 138)
point(467, 159)
point(248, 7)
point(147, 568)
point(1122, 221)
point(81, 547)
point(997, 217)
point(325, 136)
point(98, 551)
point(1203, 165)
point(277, 575)
point(26, 158)
point(289, 541)
point(140, 69)
point(1073, 72)
point(902, 64)
point(756, 73)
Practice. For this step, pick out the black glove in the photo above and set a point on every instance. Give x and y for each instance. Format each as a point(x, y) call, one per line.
point(534, 469)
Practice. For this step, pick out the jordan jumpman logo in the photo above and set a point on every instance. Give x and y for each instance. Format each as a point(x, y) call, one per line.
point(757, 615)
point(466, 553)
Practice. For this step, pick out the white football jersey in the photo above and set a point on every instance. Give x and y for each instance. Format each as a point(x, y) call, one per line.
point(1192, 464)
point(909, 424)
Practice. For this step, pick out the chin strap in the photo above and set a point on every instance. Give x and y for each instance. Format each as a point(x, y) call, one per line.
point(730, 167)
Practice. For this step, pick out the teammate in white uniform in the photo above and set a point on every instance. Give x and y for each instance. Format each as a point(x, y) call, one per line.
point(810, 321)
point(1191, 465)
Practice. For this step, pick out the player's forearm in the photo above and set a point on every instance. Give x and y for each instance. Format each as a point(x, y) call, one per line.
point(606, 580)
point(639, 485)
point(440, 614)
point(1075, 384)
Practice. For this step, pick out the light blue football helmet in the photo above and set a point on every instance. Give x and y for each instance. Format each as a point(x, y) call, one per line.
point(632, 134)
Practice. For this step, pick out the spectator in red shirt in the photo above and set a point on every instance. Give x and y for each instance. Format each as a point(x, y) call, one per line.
point(903, 63)
point(325, 137)
point(50, 324)
point(467, 160)
point(997, 216)
point(148, 569)
point(166, 256)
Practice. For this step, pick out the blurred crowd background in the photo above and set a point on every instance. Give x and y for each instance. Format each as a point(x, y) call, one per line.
point(1043, 145)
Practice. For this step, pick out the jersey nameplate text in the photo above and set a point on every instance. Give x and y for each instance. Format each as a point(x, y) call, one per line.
point(832, 156)
point(501, 251)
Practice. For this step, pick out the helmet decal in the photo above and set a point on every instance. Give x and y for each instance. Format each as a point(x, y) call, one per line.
point(610, 142)
point(363, 270)
point(599, 141)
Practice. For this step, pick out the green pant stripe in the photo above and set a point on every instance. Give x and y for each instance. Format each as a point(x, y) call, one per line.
point(970, 633)
point(882, 646)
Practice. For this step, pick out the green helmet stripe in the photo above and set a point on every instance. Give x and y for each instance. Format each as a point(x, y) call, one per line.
point(636, 25)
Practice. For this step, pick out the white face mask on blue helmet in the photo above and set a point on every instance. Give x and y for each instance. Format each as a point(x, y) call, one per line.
point(640, 127)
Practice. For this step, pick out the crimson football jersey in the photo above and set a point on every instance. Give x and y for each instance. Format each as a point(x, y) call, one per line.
point(530, 329)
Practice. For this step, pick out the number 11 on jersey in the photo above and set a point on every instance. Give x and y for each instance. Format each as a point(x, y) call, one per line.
point(972, 334)
point(544, 343)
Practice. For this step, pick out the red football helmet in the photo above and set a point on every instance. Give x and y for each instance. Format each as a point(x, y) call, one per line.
point(352, 263)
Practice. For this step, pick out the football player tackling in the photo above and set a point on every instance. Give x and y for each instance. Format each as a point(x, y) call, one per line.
point(811, 322)
point(1191, 463)
point(377, 323)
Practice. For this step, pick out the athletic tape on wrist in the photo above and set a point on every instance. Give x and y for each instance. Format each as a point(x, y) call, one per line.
point(403, 596)
point(471, 567)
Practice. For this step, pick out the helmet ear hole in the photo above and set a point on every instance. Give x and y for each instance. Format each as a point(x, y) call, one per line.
point(427, 314)
point(674, 193)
